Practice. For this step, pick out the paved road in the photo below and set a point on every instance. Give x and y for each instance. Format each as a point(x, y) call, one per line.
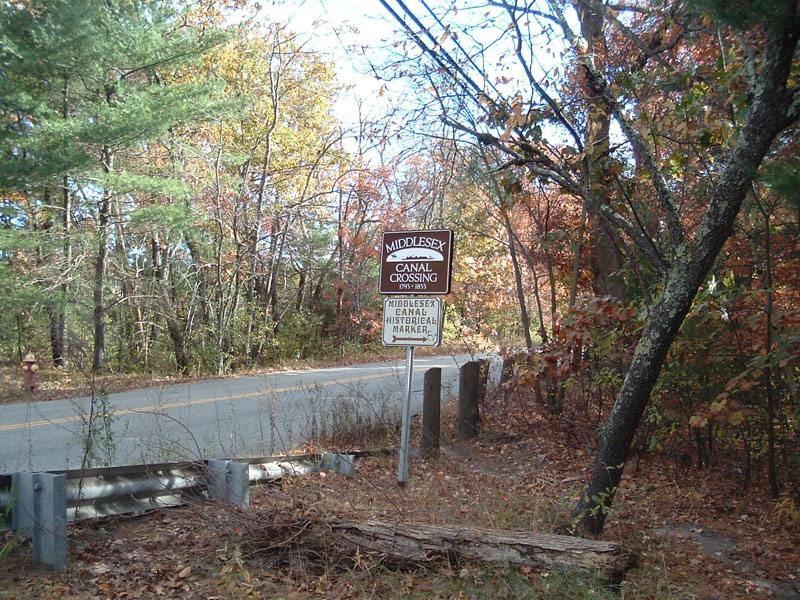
point(224, 418)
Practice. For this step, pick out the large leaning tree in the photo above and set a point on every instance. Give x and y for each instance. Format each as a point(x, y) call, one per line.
point(655, 115)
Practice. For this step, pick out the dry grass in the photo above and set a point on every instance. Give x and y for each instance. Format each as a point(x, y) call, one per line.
point(280, 547)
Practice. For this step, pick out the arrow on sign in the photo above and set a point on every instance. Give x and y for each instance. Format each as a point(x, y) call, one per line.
point(401, 339)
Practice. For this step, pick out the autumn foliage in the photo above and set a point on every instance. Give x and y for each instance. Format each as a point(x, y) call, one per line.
point(625, 210)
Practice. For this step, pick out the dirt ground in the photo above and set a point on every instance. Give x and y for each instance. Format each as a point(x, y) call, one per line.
point(696, 533)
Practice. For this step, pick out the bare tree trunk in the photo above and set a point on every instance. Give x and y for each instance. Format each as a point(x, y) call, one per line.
point(772, 110)
point(768, 371)
point(605, 258)
point(58, 316)
point(658, 334)
point(139, 345)
point(99, 359)
point(523, 309)
point(60, 358)
point(101, 262)
point(175, 328)
point(57, 333)
point(57, 310)
point(577, 248)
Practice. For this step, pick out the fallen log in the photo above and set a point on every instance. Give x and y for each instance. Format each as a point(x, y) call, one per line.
point(420, 542)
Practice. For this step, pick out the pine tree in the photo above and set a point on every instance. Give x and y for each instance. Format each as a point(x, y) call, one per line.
point(84, 85)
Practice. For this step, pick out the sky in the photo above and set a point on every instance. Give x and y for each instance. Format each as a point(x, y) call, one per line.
point(346, 31)
point(336, 27)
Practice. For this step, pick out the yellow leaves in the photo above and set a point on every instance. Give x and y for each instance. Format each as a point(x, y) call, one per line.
point(698, 421)
point(516, 118)
point(718, 405)
point(737, 418)
point(724, 408)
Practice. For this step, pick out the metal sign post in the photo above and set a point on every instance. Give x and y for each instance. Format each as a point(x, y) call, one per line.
point(413, 262)
point(405, 432)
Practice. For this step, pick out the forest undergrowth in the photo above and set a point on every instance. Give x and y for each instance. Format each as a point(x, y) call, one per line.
point(696, 532)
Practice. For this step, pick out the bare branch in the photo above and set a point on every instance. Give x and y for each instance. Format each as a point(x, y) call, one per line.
point(643, 154)
point(539, 89)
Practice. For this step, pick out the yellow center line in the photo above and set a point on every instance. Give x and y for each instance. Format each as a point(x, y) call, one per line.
point(150, 409)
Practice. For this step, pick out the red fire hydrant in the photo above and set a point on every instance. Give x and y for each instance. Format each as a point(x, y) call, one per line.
point(29, 367)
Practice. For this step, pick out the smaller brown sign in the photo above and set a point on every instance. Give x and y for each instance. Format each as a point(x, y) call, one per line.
point(416, 262)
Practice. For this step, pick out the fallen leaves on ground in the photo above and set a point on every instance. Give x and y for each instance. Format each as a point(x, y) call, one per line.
point(697, 534)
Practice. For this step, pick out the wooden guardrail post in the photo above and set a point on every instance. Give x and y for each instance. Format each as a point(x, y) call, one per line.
point(485, 365)
point(507, 370)
point(468, 397)
point(431, 411)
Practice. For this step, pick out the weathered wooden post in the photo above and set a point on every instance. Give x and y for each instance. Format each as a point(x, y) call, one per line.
point(468, 395)
point(431, 411)
point(484, 363)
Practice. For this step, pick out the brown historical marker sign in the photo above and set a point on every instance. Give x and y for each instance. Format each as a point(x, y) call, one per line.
point(416, 262)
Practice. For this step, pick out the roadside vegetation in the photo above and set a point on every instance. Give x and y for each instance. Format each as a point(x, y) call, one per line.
point(696, 535)
point(179, 197)
point(54, 383)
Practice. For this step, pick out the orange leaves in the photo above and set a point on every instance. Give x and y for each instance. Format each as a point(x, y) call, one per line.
point(725, 409)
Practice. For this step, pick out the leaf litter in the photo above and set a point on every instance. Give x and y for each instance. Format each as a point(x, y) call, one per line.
point(697, 535)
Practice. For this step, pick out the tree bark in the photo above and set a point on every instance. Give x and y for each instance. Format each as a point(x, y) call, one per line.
point(162, 274)
point(99, 358)
point(58, 317)
point(419, 542)
point(658, 334)
point(605, 259)
point(773, 109)
point(101, 262)
point(523, 307)
point(769, 309)
point(57, 334)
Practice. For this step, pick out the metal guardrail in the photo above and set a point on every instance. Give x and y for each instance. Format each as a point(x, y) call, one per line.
point(101, 492)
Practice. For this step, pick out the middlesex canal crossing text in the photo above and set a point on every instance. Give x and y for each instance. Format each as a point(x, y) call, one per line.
point(416, 262)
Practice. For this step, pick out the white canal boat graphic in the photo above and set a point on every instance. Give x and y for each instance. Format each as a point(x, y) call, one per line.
point(414, 254)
